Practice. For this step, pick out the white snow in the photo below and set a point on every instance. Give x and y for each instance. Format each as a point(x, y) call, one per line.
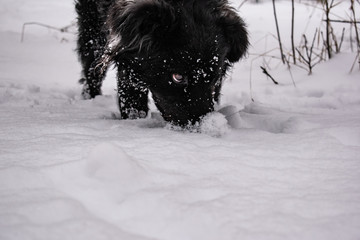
point(286, 166)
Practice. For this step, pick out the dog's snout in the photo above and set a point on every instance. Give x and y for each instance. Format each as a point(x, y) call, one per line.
point(183, 111)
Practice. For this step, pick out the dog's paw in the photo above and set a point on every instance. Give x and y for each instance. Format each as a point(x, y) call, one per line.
point(85, 94)
point(135, 114)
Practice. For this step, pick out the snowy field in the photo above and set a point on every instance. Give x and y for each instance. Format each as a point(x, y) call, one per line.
point(286, 166)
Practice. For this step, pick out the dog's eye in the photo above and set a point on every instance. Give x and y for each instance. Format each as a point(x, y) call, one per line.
point(178, 78)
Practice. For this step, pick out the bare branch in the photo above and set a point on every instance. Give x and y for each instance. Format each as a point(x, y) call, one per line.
point(63, 29)
point(278, 33)
point(292, 30)
point(267, 74)
point(342, 21)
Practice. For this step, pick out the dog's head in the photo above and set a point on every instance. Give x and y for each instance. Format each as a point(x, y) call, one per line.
point(178, 49)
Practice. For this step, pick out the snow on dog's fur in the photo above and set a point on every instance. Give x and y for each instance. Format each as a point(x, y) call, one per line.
point(179, 50)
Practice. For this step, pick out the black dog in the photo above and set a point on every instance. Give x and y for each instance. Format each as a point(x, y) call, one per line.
point(180, 50)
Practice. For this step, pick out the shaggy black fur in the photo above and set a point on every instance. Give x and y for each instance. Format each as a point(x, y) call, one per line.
point(180, 50)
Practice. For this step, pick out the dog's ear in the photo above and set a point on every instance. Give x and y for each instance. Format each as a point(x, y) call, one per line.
point(235, 33)
point(145, 24)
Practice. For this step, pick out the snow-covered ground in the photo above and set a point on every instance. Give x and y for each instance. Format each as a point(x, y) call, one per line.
point(286, 167)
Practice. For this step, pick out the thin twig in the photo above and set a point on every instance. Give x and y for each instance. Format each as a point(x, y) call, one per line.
point(352, 8)
point(267, 74)
point(243, 2)
point(342, 38)
point(63, 29)
point(309, 59)
point(357, 59)
point(278, 33)
point(292, 30)
point(327, 12)
point(342, 21)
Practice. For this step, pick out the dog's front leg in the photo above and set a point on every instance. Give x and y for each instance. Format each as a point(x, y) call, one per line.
point(133, 96)
point(92, 82)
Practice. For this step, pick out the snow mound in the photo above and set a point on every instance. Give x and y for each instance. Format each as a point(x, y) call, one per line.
point(232, 116)
point(347, 136)
point(108, 162)
point(214, 124)
point(254, 116)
